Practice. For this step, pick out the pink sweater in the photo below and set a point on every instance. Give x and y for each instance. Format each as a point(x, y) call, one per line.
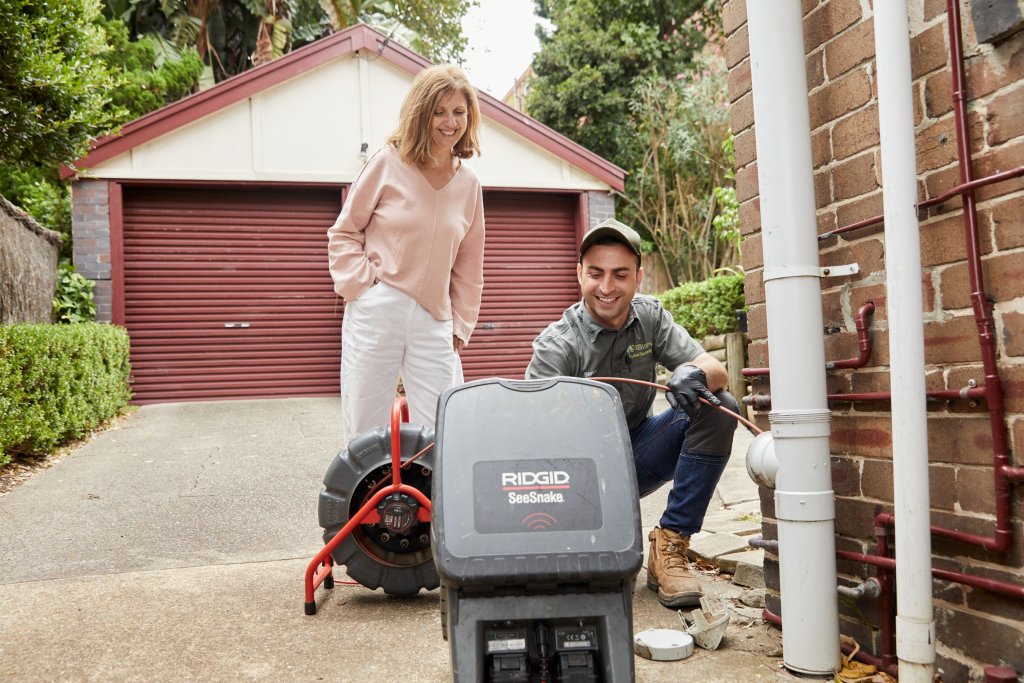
point(427, 243)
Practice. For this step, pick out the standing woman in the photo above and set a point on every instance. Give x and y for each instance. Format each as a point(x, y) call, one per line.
point(407, 253)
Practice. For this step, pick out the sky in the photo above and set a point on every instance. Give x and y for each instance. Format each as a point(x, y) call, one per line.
point(501, 43)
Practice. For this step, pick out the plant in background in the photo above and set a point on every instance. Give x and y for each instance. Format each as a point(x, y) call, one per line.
point(680, 190)
point(73, 300)
point(708, 307)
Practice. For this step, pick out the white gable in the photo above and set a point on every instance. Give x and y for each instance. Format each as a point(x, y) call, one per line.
point(311, 129)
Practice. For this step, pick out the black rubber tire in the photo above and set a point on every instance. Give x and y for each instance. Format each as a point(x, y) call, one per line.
point(355, 470)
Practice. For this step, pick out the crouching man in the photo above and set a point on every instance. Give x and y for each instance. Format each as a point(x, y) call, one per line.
point(613, 332)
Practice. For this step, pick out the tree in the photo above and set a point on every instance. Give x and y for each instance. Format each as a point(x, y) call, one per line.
point(596, 55)
point(680, 190)
point(53, 85)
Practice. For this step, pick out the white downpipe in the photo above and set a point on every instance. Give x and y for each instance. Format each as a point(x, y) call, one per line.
point(915, 625)
point(804, 501)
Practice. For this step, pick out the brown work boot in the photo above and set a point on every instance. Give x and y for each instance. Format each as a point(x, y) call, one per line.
point(668, 570)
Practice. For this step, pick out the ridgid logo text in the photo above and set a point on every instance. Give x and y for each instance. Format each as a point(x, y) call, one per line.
point(535, 487)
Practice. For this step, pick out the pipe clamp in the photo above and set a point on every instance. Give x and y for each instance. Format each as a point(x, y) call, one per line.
point(795, 424)
point(804, 506)
point(915, 641)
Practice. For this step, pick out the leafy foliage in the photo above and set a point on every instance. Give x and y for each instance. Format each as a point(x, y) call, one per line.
point(598, 53)
point(58, 382)
point(677, 192)
point(53, 86)
point(150, 74)
point(708, 307)
point(73, 300)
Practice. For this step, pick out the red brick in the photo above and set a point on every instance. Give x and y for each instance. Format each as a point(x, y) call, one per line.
point(737, 47)
point(877, 479)
point(734, 15)
point(826, 221)
point(1006, 116)
point(938, 93)
point(757, 323)
point(933, 8)
point(815, 66)
point(821, 150)
point(962, 439)
point(1013, 334)
point(828, 20)
point(936, 145)
point(855, 177)
point(739, 79)
point(928, 51)
point(852, 48)
point(975, 490)
point(846, 476)
point(822, 188)
point(856, 518)
point(856, 132)
point(942, 487)
point(746, 182)
point(951, 341)
point(744, 148)
point(988, 72)
point(757, 352)
point(999, 639)
point(839, 97)
point(741, 112)
point(876, 294)
point(858, 210)
point(942, 240)
point(753, 286)
point(1003, 276)
point(1017, 435)
point(1008, 223)
point(1013, 387)
point(997, 160)
point(750, 216)
point(753, 256)
point(865, 436)
point(917, 99)
point(938, 183)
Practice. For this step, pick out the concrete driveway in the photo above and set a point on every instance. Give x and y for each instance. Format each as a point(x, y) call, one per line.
point(173, 547)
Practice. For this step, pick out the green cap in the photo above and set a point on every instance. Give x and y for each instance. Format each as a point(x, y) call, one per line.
point(614, 229)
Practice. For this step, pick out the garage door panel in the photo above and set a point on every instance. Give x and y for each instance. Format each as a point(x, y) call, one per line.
point(196, 259)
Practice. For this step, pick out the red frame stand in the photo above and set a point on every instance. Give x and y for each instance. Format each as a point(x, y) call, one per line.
point(321, 568)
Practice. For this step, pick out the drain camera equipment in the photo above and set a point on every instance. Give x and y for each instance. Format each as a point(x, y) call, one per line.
point(536, 531)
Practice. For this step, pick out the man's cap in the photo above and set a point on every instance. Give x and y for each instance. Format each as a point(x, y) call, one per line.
point(614, 229)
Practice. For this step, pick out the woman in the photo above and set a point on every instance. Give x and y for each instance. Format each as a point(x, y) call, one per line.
point(406, 254)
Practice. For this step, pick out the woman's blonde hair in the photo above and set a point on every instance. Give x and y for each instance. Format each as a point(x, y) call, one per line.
point(412, 136)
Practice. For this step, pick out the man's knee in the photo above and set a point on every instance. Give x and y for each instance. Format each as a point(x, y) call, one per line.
point(712, 431)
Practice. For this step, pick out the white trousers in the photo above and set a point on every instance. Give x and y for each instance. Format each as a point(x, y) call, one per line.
point(384, 333)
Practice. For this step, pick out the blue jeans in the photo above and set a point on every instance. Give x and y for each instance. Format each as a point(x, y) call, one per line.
point(691, 454)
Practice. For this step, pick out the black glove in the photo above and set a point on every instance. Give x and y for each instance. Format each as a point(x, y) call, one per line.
point(688, 384)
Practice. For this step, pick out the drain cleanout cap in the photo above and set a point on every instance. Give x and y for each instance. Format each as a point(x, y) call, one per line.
point(663, 644)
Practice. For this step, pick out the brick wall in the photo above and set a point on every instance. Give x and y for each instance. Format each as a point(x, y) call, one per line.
point(600, 207)
point(90, 221)
point(974, 628)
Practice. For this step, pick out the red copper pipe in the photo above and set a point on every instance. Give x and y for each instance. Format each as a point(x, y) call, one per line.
point(863, 343)
point(934, 201)
point(887, 598)
point(765, 400)
point(1003, 536)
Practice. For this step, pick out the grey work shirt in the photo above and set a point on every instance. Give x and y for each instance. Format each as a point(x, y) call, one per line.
point(578, 346)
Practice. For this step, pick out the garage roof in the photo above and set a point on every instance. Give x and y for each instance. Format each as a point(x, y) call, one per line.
point(249, 128)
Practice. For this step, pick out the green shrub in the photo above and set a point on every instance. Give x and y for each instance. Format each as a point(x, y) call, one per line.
point(73, 301)
point(57, 382)
point(708, 307)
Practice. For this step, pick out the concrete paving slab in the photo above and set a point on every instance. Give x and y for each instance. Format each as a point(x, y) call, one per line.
point(172, 548)
point(715, 545)
point(749, 575)
point(730, 561)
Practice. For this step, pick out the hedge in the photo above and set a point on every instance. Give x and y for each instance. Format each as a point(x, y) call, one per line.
point(57, 382)
point(708, 307)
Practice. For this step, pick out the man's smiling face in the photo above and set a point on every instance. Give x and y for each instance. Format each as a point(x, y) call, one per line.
point(609, 277)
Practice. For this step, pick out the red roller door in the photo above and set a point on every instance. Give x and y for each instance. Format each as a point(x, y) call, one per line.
point(227, 293)
point(529, 279)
